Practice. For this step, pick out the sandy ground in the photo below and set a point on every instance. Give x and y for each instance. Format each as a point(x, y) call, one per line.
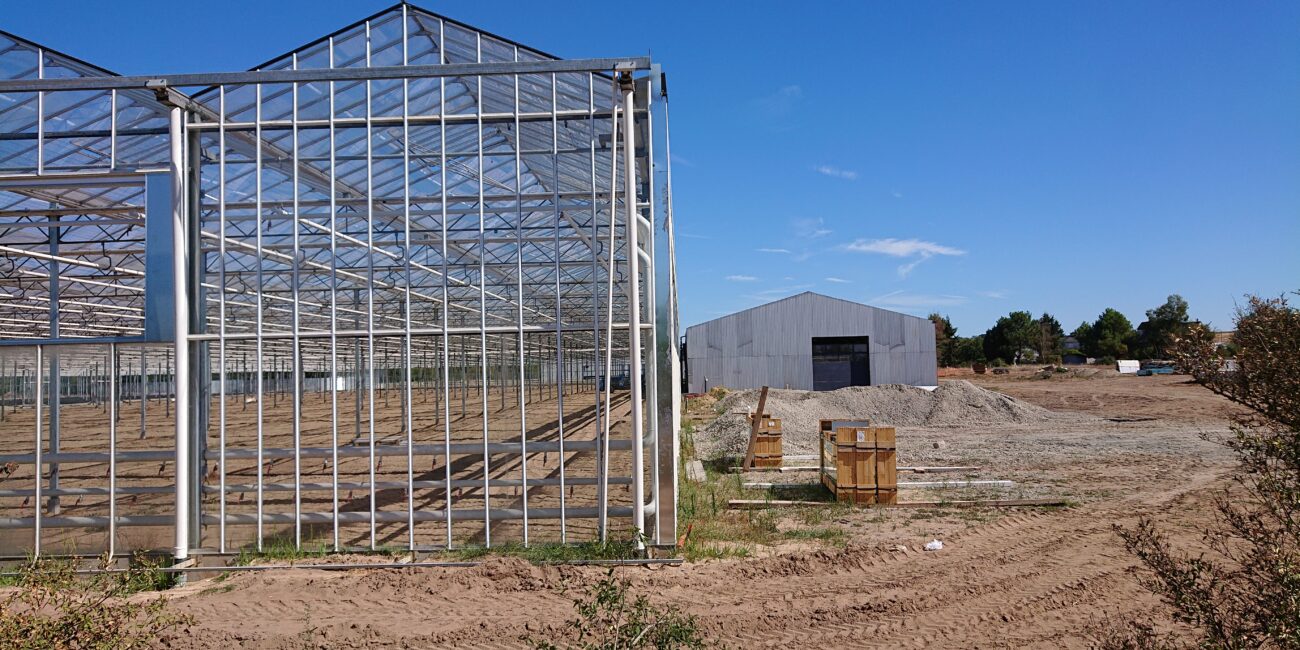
point(1024, 578)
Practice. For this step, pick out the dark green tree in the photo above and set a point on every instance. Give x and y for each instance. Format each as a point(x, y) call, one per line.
point(1011, 336)
point(968, 350)
point(1164, 324)
point(1087, 342)
point(1113, 334)
point(945, 336)
point(1050, 334)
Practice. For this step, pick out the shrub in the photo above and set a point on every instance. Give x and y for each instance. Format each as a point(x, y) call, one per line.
point(609, 619)
point(718, 392)
point(1245, 593)
point(52, 607)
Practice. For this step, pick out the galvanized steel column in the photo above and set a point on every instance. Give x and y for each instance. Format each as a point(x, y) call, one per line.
point(634, 301)
point(181, 297)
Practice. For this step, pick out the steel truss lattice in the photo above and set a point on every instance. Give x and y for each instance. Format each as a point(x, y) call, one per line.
point(410, 285)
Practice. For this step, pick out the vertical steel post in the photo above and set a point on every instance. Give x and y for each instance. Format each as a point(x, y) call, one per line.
point(667, 407)
point(144, 393)
point(609, 315)
point(519, 306)
point(482, 297)
point(634, 301)
point(221, 312)
point(38, 397)
point(261, 306)
point(40, 114)
point(181, 297)
point(446, 302)
point(358, 380)
point(559, 314)
point(112, 130)
point(334, 322)
point(296, 356)
point(601, 460)
point(409, 420)
point(370, 289)
point(112, 449)
point(55, 397)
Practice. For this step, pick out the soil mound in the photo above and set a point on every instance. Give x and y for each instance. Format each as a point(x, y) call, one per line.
point(953, 403)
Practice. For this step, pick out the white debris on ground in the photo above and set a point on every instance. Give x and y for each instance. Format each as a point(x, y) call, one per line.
point(955, 403)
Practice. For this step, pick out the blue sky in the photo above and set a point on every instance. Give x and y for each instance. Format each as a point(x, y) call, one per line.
point(969, 158)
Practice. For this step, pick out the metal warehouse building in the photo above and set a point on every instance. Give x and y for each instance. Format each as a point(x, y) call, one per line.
point(811, 342)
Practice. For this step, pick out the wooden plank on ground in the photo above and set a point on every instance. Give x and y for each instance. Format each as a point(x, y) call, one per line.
point(743, 504)
point(759, 485)
point(797, 468)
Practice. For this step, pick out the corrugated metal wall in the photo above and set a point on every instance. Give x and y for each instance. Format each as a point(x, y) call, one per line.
point(772, 344)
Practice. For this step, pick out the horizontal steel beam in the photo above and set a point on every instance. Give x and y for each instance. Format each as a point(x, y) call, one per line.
point(272, 453)
point(415, 331)
point(157, 82)
point(349, 517)
point(314, 487)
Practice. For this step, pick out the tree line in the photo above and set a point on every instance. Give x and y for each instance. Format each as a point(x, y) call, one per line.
point(1019, 337)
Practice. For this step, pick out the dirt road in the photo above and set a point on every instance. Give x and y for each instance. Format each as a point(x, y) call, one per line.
point(1026, 579)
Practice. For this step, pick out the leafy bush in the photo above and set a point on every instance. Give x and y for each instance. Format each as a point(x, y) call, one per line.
point(53, 607)
point(718, 392)
point(608, 620)
point(1245, 593)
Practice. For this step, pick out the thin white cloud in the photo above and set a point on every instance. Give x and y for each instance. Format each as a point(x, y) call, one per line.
point(687, 235)
point(779, 251)
point(996, 295)
point(920, 249)
point(896, 194)
point(838, 280)
point(905, 270)
point(901, 247)
point(741, 278)
point(811, 228)
point(835, 172)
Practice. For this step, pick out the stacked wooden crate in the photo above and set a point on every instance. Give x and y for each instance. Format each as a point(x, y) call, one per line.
point(859, 463)
point(767, 442)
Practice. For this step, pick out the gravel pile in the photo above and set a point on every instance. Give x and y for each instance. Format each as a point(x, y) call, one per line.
point(953, 403)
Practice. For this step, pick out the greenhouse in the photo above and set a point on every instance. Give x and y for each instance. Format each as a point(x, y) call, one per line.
point(409, 286)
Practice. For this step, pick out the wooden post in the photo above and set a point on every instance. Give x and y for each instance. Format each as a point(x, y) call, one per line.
point(753, 429)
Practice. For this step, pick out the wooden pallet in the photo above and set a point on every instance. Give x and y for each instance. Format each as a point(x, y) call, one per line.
point(767, 449)
point(859, 464)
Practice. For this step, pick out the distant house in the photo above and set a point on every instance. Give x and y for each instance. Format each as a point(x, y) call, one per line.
point(1072, 352)
point(1222, 339)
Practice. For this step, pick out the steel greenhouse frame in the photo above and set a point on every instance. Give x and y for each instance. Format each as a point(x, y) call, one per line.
point(228, 298)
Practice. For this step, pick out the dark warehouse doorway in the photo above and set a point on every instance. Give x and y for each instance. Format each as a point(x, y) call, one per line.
point(840, 361)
